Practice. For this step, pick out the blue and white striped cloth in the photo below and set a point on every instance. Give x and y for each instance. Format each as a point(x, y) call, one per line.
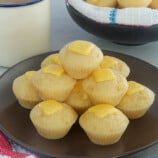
point(127, 16)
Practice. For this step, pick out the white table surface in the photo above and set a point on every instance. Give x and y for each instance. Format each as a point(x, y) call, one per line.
point(65, 30)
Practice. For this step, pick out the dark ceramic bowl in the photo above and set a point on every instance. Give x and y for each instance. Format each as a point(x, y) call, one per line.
point(121, 34)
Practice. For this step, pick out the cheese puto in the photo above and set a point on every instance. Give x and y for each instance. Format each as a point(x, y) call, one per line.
point(137, 100)
point(103, 3)
point(53, 119)
point(52, 82)
point(134, 3)
point(115, 64)
point(78, 98)
point(79, 58)
point(51, 59)
point(105, 86)
point(24, 91)
point(104, 124)
point(154, 4)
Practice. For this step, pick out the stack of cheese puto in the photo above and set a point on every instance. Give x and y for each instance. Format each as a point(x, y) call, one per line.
point(81, 81)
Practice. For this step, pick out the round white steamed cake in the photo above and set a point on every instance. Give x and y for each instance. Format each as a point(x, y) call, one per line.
point(104, 124)
point(137, 100)
point(79, 58)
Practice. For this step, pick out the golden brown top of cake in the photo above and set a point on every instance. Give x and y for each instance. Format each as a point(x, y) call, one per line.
point(104, 74)
point(53, 70)
point(55, 59)
point(81, 47)
point(50, 107)
point(78, 88)
point(134, 87)
point(108, 62)
point(102, 110)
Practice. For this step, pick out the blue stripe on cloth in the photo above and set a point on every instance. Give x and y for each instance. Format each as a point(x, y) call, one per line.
point(112, 15)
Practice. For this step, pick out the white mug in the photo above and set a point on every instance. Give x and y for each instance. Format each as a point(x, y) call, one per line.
point(24, 30)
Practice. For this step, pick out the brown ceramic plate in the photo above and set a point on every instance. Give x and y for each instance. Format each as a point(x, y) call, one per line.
point(15, 122)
